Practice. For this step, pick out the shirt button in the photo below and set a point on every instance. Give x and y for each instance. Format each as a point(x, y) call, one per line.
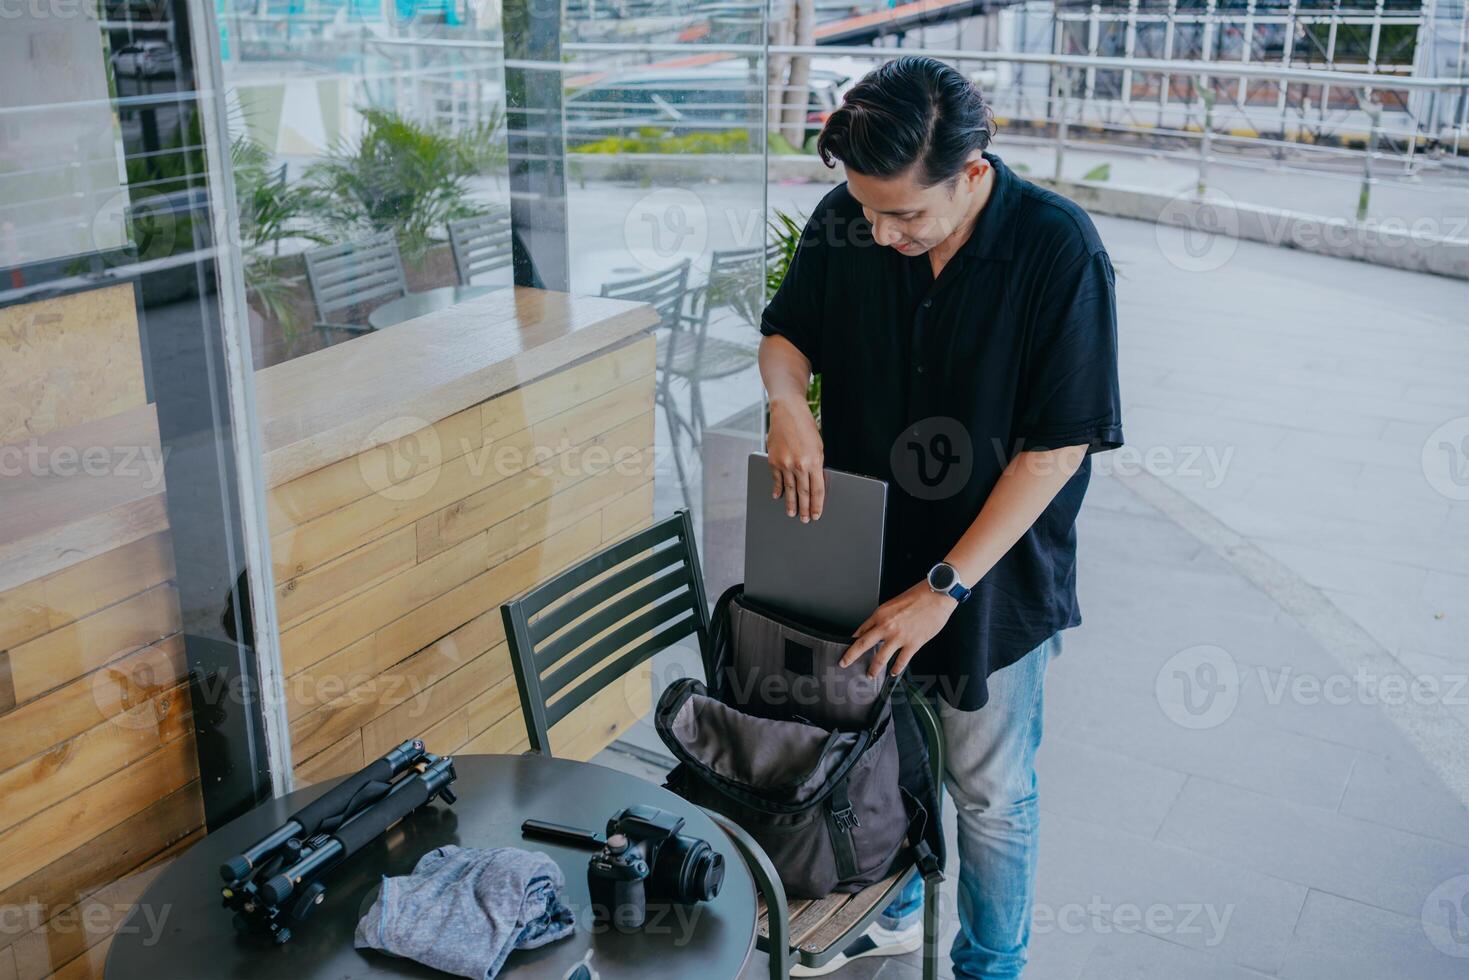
point(927, 303)
point(920, 369)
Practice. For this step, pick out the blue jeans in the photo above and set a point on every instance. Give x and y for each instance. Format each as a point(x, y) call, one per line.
point(990, 773)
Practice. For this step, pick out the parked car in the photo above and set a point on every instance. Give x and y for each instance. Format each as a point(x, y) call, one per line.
point(146, 59)
point(720, 95)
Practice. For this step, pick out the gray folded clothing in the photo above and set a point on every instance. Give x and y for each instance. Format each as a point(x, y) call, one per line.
point(463, 910)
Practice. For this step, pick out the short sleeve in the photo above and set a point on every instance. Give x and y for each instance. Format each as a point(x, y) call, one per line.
point(795, 312)
point(1070, 395)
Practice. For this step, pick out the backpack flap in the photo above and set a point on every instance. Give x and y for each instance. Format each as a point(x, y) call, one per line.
point(770, 764)
point(824, 805)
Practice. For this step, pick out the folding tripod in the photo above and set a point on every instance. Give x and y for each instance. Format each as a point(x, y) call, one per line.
point(287, 864)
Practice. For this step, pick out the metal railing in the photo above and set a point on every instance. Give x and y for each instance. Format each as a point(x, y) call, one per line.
point(1377, 137)
point(1378, 140)
point(1360, 127)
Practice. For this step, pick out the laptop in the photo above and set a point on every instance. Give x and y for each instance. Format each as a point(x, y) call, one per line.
point(829, 570)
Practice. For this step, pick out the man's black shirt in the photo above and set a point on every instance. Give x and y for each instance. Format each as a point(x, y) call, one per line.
point(935, 386)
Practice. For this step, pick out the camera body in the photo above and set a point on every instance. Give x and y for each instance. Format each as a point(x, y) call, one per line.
point(647, 860)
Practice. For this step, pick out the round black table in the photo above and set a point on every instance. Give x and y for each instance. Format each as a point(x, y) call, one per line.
point(415, 305)
point(496, 793)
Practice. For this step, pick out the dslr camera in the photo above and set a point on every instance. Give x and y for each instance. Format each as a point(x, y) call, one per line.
point(645, 859)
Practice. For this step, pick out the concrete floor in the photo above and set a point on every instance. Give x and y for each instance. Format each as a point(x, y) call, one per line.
point(1287, 524)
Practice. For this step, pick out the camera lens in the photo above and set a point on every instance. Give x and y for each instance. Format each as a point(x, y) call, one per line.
point(700, 869)
point(711, 873)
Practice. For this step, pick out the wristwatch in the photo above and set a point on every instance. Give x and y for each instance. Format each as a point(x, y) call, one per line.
point(944, 578)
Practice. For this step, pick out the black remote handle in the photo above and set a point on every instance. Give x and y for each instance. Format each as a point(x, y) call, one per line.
point(560, 833)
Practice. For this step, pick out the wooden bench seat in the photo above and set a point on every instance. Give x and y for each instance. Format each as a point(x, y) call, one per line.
point(817, 923)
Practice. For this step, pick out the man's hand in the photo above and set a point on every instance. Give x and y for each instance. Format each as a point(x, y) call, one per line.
point(796, 459)
point(902, 625)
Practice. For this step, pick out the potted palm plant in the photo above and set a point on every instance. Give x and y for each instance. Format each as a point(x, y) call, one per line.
point(785, 235)
point(271, 212)
point(405, 177)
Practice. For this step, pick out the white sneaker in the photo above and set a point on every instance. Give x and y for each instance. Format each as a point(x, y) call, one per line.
point(875, 941)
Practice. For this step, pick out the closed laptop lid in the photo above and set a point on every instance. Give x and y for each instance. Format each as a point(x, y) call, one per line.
point(828, 570)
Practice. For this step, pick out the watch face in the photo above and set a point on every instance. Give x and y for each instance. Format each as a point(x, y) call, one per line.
point(942, 578)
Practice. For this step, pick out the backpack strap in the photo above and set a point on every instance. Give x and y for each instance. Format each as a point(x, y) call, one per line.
point(840, 820)
point(915, 769)
point(719, 642)
point(923, 855)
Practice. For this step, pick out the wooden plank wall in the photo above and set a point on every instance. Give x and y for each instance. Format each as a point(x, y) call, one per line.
point(98, 774)
point(390, 566)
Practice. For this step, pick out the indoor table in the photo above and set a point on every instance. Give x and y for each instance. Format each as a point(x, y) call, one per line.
point(415, 305)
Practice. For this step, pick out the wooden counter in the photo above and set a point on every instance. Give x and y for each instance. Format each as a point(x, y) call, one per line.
point(419, 476)
point(98, 772)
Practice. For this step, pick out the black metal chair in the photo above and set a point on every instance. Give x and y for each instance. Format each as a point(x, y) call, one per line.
point(737, 281)
point(481, 244)
point(686, 351)
point(588, 626)
point(350, 275)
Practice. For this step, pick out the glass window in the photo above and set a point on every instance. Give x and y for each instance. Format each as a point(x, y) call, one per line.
point(503, 270)
point(126, 724)
point(327, 329)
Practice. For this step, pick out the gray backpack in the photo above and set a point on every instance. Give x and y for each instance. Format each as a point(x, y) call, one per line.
point(801, 753)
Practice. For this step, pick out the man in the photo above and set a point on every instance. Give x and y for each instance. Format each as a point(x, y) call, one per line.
point(964, 325)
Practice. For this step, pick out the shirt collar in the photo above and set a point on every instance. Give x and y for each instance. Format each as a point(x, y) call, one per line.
point(994, 230)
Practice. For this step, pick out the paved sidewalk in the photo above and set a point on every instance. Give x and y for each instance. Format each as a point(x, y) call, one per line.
point(1332, 395)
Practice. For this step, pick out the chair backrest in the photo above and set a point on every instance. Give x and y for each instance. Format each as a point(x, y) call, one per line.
point(612, 611)
point(663, 290)
point(342, 276)
point(481, 244)
point(735, 264)
point(737, 281)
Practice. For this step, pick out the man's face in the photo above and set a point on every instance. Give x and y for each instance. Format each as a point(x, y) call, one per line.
point(910, 217)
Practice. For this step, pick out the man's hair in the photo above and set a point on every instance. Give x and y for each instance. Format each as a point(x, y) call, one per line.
point(913, 110)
